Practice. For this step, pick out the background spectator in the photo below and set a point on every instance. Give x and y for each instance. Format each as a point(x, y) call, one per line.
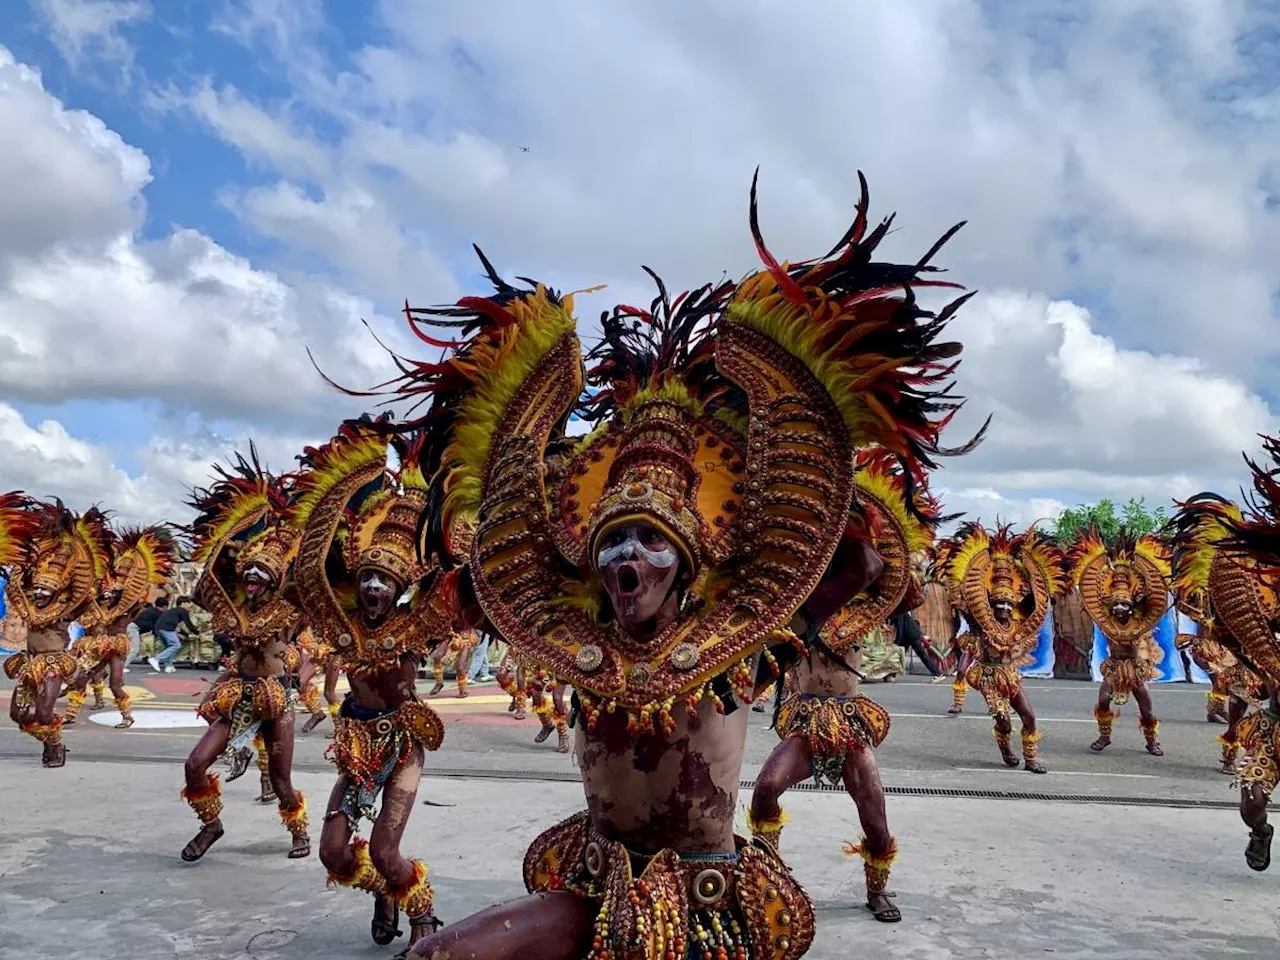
point(166, 629)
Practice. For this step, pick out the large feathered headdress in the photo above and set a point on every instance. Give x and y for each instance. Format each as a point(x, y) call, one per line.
point(728, 418)
point(1134, 570)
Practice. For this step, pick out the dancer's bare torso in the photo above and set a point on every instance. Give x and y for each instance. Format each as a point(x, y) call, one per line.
point(675, 791)
point(382, 691)
point(113, 628)
point(50, 640)
point(817, 676)
point(264, 658)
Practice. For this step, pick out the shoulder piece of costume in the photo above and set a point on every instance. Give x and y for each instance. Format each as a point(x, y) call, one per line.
point(726, 417)
point(65, 561)
point(352, 514)
point(900, 517)
point(141, 559)
point(240, 522)
point(1244, 572)
point(984, 567)
point(1135, 570)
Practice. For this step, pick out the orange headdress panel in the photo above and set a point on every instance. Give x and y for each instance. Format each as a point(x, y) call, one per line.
point(983, 568)
point(239, 522)
point(1133, 571)
point(64, 562)
point(1245, 573)
point(19, 521)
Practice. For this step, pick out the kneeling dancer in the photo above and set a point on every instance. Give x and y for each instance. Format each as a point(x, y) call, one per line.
point(1125, 590)
point(247, 552)
point(350, 585)
point(648, 564)
point(1003, 585)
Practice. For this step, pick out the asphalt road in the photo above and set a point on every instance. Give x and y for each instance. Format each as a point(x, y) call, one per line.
point(926, 749)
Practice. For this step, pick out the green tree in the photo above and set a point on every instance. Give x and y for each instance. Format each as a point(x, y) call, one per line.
point(1134, 515)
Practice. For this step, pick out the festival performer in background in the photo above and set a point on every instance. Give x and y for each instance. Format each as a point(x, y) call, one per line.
point(247, 552)
point(511, 679)
point(319, 659)
point(1002, 585)
point(460, 645)
point(349, 581)
point(1236, 557)
point(648, 567)
point(57, 561)
point(829, 730)
point(546, 697)
point(1125, 590)
point(1200, 524)
point(139, 560)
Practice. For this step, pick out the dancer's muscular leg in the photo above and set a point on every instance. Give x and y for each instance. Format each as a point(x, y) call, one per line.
point(560, 715)
point(878, 848)
point(202, 791)
point(789, 764)
point(43, 712)
point(309, 695)
point(1253, 811)
point(1105, 717)
point(339, 857)
point(1147, 721)
point(1004, 739)
point(118, 692)
point(398, 798)
point(1236, 709)
point(1030, 734)
point(278, 737)
point(544, 926)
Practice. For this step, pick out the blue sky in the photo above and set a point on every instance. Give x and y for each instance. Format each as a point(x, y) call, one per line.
point(311, 164)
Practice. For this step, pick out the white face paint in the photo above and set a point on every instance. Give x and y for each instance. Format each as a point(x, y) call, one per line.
point(632, 549)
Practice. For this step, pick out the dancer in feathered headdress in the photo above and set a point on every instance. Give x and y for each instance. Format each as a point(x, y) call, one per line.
point(1125, 590)
point(1236, 555)
point(829, 729)
point(138, 561)
point(52, 582)
point(1201, 522)
point(356, 521)
point(1002, 584)
point(649, 563)
point(248, 553)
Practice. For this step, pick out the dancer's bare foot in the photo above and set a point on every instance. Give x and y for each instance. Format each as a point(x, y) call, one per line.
point(1216, 715)
point(315, 721)
point(511, 707)
point(434, 690)
point(239, 763)
point(563, 745)
point(521, 715)
point(125, 723)
point(301, 847)
point(544, 733)
point(1100, 744)
point(1010, 758)
point(209, 834)
point(1154, 748)
point(1036, 765)
point(1258, 853)
point(757, 707)
point(1229, 768)
point(385, 925)
point(882, 908)
point(955, 711)
point(268, 794)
